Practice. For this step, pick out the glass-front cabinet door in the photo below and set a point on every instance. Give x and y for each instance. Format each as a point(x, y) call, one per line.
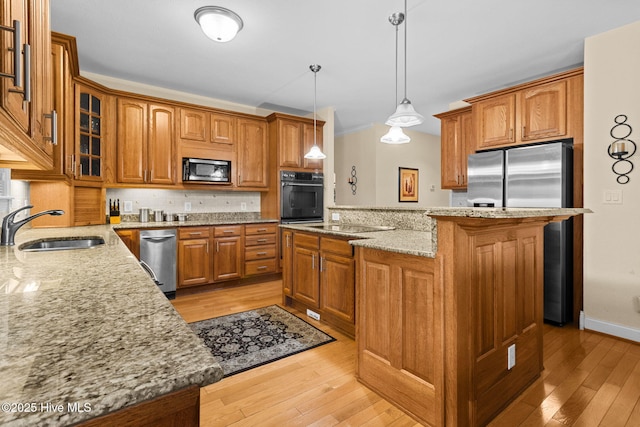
point(88, 161)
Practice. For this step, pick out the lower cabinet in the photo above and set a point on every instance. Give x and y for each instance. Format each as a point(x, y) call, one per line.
point(260, 249)
point(131, 239)
point(319, 274)
point(227, 255)
point(214, 254)
point(194, 260)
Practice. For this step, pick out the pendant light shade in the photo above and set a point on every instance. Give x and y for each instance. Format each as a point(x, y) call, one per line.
point(315, 153)
point(395, 136)
point(218, 23)
point(405, 114)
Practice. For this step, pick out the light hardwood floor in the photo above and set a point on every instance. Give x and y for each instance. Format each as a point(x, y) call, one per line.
point(589, 379)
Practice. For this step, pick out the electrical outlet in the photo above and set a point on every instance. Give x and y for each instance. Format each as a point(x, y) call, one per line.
point(187, 206)
point(243, 206)
point(313, 314)
point(335, 216)
point(511, 357)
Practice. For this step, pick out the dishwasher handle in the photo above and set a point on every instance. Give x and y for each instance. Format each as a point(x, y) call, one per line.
point(158, 238)
point(149, 270)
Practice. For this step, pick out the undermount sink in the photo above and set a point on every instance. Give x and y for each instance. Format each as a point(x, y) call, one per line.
point(352, 228)
point(62, 243)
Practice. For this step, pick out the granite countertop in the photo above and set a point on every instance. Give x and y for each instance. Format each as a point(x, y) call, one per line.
point(424, 243)
point(411, 242)
point(88, 327)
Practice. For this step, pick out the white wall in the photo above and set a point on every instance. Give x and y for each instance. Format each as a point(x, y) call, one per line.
point(612, 232)
point(377, 168)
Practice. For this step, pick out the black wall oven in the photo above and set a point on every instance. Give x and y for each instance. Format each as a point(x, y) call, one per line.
point(302, 196)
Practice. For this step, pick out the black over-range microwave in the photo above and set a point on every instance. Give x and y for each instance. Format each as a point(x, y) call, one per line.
point(206, 170)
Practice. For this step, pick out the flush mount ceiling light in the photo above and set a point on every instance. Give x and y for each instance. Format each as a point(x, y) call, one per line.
point(405, 114)
point(218, 23)
point(315, 152)
point(395, 134)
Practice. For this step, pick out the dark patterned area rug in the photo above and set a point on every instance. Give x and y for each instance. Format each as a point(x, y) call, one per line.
point(252, 338)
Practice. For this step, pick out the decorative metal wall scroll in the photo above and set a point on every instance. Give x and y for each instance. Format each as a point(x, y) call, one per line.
point(621, 149)
point(353, 180)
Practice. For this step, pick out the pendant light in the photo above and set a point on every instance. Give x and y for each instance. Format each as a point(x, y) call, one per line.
point(395, 134)
point(315, 153)
point(217, 23)
point(405, 114)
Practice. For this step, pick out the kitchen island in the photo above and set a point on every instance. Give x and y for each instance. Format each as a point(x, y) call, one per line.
point(450, 330)
point(86, 333)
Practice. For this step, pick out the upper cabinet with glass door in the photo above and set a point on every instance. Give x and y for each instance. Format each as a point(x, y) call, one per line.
point(89, 155)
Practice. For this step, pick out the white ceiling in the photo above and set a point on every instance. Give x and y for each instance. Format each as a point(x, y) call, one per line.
point(456, 49)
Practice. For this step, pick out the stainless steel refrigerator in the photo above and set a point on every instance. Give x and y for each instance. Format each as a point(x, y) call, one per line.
point(534, 176)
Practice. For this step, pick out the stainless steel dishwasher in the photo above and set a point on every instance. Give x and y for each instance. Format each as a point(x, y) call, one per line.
point(158, 257)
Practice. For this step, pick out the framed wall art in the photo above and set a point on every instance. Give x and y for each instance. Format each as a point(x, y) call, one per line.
point(407, 185)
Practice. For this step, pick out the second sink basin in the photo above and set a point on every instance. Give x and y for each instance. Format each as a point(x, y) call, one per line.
point(62, 243)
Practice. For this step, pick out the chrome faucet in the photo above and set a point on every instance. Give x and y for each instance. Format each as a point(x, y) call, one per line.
point(9, 227)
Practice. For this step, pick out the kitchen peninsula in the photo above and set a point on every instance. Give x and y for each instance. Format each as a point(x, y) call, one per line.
point(87, 337)
point(449, 325)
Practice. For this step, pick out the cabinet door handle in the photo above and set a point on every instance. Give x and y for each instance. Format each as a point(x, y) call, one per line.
point(261, 253)
point(511, 134)
point(313, 262)
point(524, 133)
point(261, 230)
point(321, 264)
point(195, 233)
point(26, 89)
point(207, 247)
point(217, 246)
point(262, 267)
point(288, 240)
point(228, 231)
point(54, 127)
point(262, 240)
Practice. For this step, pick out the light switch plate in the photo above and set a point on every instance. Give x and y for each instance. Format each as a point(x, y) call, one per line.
point(612, 197)
point(128, 206)
point(335, 216)
point(187, 206)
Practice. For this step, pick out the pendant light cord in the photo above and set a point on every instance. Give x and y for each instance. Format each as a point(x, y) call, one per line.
point(405, 49)
point(396, 101)
point(315, 94)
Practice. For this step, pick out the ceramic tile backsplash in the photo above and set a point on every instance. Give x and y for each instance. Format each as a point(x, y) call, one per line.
point(181, 201)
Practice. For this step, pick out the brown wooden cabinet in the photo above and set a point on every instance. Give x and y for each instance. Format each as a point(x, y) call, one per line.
point(145, 143)
point(293, 137)
point(434, 333)
point(131, 238)
point(456, 143)
point(253, 154)
point(399, 327)
point(26, 109)
point(228, 251)
point(194, 259)
point(211, 128)
point(63, 67)
point(306, 269)
point(536, 113)
point(260, 249)
point(89, 157)
point(287, 263)
point(319, 274)
point(337, 280)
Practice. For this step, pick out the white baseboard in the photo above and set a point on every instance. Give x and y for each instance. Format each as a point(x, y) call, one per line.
point(612, 329)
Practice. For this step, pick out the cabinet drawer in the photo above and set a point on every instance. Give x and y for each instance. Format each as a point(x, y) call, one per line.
point(260, 266)
point(268, 239)
point(193, 232)
point(341, 247)
point(226, 231)
point(260, 253)
point(253, 229)
point(307, 240)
